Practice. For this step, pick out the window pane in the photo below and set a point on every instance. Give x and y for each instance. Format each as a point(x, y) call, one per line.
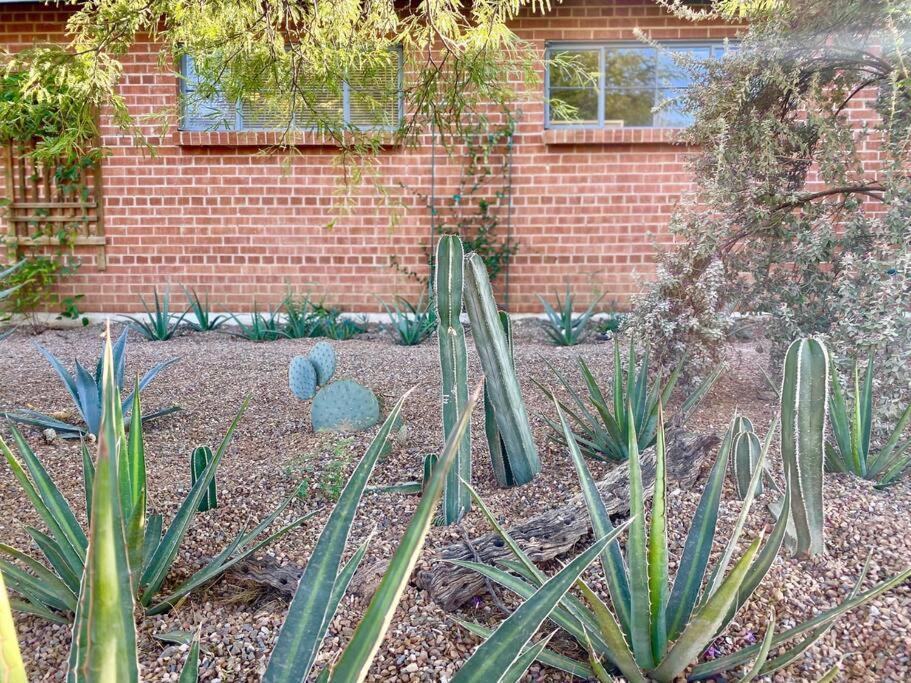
point(203, 109)
point(632, 108)
point(629, 68)
point(574, 106)
point(265, 112)
point(673, 75)
point(319, 108)
point(374, 96)
point(574, 68)
point(671, 114)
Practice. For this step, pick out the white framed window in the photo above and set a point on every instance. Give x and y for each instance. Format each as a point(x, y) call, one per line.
point(620, 84)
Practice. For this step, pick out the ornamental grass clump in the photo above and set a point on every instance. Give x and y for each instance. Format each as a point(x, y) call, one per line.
point(648, 627)
point(54, 593)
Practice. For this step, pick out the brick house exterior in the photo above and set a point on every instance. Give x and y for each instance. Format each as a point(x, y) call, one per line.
point(211, 211)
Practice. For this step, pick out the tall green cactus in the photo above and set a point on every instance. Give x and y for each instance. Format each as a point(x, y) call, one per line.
point(453, 370)
point(495, 444)
point(804, 390)
point(521, 462)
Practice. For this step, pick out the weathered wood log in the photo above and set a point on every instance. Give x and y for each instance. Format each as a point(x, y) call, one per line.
point(543, 536)
point(555, 532)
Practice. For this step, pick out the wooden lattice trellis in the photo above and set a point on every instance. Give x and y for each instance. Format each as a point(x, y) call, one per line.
point(43, 203)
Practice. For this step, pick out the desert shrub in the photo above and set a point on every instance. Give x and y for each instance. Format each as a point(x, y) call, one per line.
point(792, 216)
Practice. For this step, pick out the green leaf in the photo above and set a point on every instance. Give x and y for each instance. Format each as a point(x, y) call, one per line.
point(104, 631)
point(763, 655)
point(612, 560)
point(355, 661)
point(492, 659)
point(637, 556)
point(702, 629)
point(12, 669)
point(657, 548)
point(190, 671)
point(546, 656)
point(698, 545)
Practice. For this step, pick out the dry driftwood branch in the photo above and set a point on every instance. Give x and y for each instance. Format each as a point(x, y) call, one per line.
point(555, 532)
point(543, 536)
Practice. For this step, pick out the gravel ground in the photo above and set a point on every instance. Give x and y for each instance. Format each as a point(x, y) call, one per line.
point(215, 373)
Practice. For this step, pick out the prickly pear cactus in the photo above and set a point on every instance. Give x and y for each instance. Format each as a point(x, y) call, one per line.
point(199, 460)
point(323, 358)
point(302, 378)
point(344, 406)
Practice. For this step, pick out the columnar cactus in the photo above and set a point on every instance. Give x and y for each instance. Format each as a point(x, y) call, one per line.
point(495, 445)
point(521, 463)
point(747, 451)
point(804, 390)
point(199, 460)
point(453, 370)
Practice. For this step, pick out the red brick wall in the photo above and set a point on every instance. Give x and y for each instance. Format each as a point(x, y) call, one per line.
point(245, 225)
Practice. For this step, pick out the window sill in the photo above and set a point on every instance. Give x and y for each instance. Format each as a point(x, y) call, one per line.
point(612, 136)
point(187, 138)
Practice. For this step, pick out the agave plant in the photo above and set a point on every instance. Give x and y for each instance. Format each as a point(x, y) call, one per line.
point(263, 327)
point(5, 293)
point(55, 593)
point(204, 319)
point(410, 324)
point(650, 628)
point(602, 426)
point(563, 328)
point(851, 450)
point(303, 319)
point(86, 391)
point(95, 580)
point(160, 324)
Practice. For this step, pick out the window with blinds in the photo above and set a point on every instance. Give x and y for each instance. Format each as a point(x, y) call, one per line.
point(368, 101)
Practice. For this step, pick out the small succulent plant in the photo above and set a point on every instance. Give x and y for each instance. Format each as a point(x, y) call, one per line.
point(199, 461)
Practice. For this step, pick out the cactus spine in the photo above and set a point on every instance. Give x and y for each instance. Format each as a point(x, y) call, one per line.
point(199, 460)
point(804, 391)
point(453, 370)
point(521, 456)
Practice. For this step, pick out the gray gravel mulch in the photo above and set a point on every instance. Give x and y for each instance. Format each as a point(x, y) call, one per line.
point(263, 466)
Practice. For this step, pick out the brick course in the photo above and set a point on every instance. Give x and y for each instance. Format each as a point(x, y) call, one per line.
point(212, 211)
